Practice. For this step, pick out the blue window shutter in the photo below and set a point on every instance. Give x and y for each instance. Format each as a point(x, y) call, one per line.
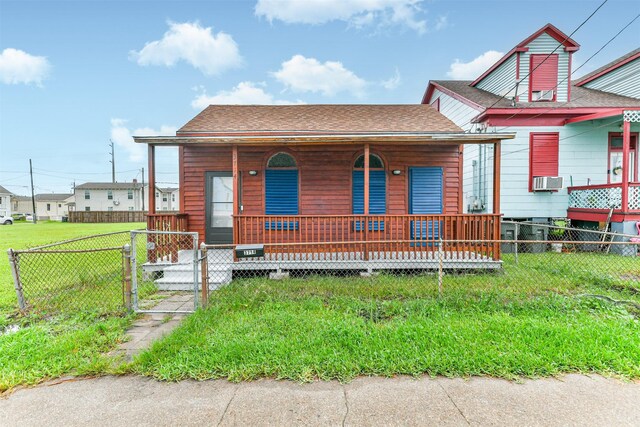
point(281, 192)
point(377, 192)
point(425, 193)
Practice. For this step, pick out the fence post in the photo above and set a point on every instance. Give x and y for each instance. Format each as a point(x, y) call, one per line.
point(440, 270)
point(205, 274)
point(516, 244)
point(126, 254)
point(13, 263)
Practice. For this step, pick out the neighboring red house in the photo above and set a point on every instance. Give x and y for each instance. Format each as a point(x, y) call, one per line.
point(360, 182)
point(575, 151)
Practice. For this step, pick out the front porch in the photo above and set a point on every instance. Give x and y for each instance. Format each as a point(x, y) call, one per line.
point(350, 242)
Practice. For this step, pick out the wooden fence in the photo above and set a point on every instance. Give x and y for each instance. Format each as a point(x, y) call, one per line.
point(107, 216)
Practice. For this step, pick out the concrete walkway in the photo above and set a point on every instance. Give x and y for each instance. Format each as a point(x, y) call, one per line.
point(126, 401)
point(153, 326)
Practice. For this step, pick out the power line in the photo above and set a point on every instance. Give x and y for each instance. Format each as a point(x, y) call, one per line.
point(544, 60)
point(569, 76)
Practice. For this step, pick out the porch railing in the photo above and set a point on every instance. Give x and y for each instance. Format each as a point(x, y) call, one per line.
point(165, 247)
point(603, 197)
point(371, 235)
point(167, 222)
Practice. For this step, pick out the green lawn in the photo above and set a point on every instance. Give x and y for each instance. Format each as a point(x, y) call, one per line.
point(526, 322)
point(530, 320)
point(71, 343)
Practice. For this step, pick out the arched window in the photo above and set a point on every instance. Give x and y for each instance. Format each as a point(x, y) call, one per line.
point(377, 186)
point(281, 185)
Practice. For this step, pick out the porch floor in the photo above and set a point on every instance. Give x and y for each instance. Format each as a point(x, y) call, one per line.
point(392, 260)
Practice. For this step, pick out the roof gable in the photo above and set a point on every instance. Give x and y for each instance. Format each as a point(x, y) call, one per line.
point(611, 66)
point(552, 31)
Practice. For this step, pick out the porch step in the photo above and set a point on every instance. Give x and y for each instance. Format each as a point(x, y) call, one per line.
point(180, 278)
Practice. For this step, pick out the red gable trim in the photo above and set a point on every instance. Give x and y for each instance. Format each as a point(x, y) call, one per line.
point(541, 116)
point(432, 86)
point(608, 70)
point(569, 46)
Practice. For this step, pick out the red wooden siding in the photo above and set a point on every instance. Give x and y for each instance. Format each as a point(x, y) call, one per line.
point(543, 155)
point(545, 76)
point(325, 177)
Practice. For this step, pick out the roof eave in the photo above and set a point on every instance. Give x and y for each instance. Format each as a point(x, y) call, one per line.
point(396, 138)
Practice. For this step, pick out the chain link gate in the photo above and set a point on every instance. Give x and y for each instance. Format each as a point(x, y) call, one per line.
point(165, 272)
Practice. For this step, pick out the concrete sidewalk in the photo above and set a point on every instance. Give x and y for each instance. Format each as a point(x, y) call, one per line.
point(126, 401)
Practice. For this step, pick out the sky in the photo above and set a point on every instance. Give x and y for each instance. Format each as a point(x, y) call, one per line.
point(75, 75)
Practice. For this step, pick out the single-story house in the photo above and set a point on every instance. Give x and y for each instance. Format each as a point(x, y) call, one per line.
point(348, 182)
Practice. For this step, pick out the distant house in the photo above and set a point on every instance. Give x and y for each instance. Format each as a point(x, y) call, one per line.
point(52, 206)
point(575, 153)
point(21, 204)
point(167, 199)
point(5, 202)
point(110, 196)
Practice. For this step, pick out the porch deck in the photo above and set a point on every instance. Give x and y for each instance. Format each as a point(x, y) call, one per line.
point(594, 202)
point(222, 267)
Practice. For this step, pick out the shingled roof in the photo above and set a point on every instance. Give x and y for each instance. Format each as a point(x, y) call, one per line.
point(581, 97)
point(4, 190)
point(318, 119)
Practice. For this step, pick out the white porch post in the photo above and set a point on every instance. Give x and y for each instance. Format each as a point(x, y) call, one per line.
point(627, 118)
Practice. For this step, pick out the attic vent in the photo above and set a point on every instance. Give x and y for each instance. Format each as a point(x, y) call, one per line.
point(547, 183)
point(542, 95)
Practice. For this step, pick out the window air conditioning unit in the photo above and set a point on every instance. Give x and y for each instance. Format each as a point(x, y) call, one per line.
point(547, 183)
point(543, 95)
point(116, 202)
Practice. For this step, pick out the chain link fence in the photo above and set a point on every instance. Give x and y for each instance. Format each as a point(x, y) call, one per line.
point(169, 272)
point(165, 272)
point(83, 274)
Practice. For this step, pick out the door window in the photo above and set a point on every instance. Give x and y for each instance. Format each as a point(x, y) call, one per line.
point(222, 201)
point(615, 159)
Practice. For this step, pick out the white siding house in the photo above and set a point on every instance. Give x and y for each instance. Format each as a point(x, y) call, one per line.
point(107, 196)
point(582, 123)
point(5, 202)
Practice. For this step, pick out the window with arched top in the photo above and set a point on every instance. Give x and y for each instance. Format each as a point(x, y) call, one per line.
point(377, 186)
point(281, 185)
point(281, 160)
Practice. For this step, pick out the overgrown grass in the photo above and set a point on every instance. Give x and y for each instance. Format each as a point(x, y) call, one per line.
point(339, 328)
point(75, 345)
point(72, 343)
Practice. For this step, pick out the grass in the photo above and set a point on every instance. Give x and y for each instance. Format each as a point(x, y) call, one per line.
point(529, 321)
point(72, 343)
point(511, 325)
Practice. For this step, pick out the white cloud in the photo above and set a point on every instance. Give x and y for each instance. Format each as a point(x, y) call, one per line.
point(17, 66)
point(210, 53)
point(123, 137)
point(243, 93)
point(441, 23)
point(358, 13)
point(302, 74)
point(474, 68)
point(392, 82)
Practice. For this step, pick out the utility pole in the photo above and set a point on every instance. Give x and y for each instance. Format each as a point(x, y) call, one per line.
point(142, 189)
point(33, 196)
point(113, 162)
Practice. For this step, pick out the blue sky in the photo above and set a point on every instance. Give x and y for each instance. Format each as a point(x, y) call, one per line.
point(74, 75)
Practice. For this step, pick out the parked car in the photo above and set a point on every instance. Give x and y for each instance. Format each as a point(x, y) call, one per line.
point(6, 220)
point(29, 217)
